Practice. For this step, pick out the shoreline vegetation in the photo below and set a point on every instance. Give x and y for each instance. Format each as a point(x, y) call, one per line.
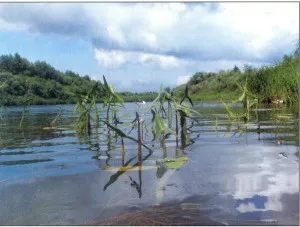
point(21, 80)
point(277, 83)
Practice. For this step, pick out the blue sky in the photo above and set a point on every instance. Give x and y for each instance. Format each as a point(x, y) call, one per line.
point(139, 46)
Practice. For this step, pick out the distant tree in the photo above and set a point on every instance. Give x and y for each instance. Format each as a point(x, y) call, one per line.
point(168, 89)
point(19, 78)
point(6, 63)
point(236, 69)
point(297, 51)
point(197, 78)
point(44, 70)
point(248, 68)
point(19, 64)
point(86, 77)
point(71, 74)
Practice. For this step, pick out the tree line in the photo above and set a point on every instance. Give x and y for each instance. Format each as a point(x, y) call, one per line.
point(21, 79)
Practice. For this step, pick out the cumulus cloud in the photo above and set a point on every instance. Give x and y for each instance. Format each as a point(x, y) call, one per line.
point(116, 58)
point(178, 38)
point(201, 32)
point(182, 80)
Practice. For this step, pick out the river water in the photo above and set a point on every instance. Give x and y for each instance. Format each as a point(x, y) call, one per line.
point(230, 175)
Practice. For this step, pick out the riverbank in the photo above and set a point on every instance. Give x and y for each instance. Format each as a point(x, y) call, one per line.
point(214, 96)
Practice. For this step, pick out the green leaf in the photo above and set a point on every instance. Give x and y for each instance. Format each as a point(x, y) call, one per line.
point(105, 83)
point(173, 163)
point(124, 135)
point(231, 114)
point(56, 118)
point(216, 124)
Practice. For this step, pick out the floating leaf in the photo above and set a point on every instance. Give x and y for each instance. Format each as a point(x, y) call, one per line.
point(173, 163)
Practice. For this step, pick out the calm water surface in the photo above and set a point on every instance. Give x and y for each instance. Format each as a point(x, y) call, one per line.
point(57, 177)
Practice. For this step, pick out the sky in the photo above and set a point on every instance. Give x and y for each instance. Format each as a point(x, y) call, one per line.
point(139, 46)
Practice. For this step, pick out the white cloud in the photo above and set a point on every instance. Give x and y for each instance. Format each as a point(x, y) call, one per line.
point(233, 31)
point(5, 25)
point(110, 58)
point(182, 80)
point(151, 39)
point(117, 58)
point(166, 36)
point(116, 34)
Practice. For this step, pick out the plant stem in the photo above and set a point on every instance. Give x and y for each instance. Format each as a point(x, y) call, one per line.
point(123, 152)
point(107, 113)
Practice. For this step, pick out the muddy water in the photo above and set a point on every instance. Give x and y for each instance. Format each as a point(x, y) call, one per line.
point(227, 175)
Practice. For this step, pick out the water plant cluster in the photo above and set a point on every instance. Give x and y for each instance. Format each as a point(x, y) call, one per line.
point(170, 117)
point(248, 117)
point(162, 109)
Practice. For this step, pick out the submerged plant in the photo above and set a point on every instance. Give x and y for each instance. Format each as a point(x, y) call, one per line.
point(25, 110)
point(58, 116)
point(160, 126)
point(248, 101)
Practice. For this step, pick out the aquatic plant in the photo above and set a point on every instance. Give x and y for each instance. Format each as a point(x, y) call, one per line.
point(173, 163)
point(241, 119)
point(58, 116)
point(85, 104)
point(82, 109)
point(124, 135)
point(247, 99)
point(110, 98)
point(159, 126)
point(26, 104)
point(161, 123)
point(126, 167)
point(162, 128)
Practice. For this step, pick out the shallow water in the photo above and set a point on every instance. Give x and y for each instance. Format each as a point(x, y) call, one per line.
point(57, 177)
